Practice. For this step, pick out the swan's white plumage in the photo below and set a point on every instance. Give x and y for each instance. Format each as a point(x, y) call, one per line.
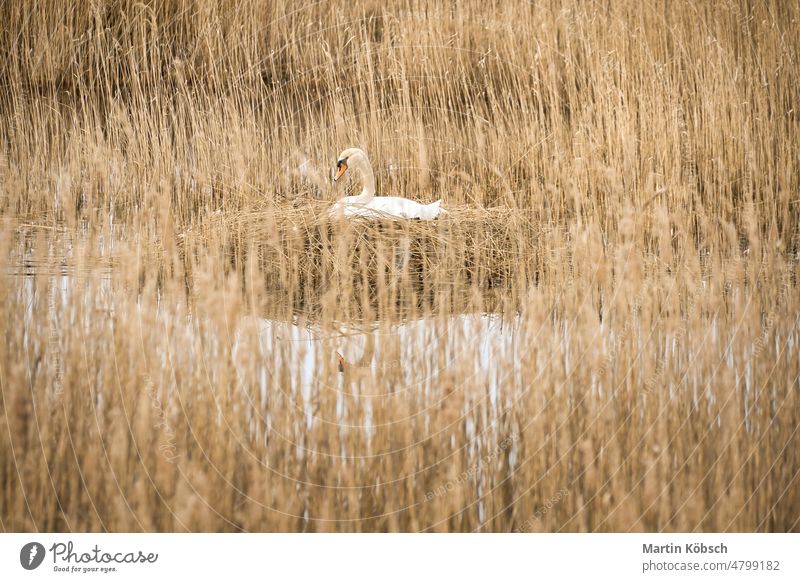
point(386, 207)
point(367, 205)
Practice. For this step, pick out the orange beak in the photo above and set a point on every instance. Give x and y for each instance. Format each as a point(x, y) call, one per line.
point(341, 168)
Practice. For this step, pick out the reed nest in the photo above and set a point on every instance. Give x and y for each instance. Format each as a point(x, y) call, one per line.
point(302, 254)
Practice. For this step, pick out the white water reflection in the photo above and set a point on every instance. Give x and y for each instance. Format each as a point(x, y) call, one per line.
point(383, 361)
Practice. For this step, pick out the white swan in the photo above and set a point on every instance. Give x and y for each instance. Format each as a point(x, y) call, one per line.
point(366, 204)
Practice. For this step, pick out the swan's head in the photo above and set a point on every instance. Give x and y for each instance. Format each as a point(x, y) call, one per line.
point(349, 157)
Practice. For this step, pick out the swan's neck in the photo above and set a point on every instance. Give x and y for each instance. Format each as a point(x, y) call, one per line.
point(367, 180)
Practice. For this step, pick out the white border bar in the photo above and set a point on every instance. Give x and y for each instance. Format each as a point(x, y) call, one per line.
point(407, 557)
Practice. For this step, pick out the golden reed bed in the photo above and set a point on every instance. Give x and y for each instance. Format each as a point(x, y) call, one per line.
point(601, 335)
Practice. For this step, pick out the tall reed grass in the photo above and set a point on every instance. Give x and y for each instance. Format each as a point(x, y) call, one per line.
point(601, 335)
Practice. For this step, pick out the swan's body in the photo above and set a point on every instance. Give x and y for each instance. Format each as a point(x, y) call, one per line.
point(386, 207)
point(367, 205)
